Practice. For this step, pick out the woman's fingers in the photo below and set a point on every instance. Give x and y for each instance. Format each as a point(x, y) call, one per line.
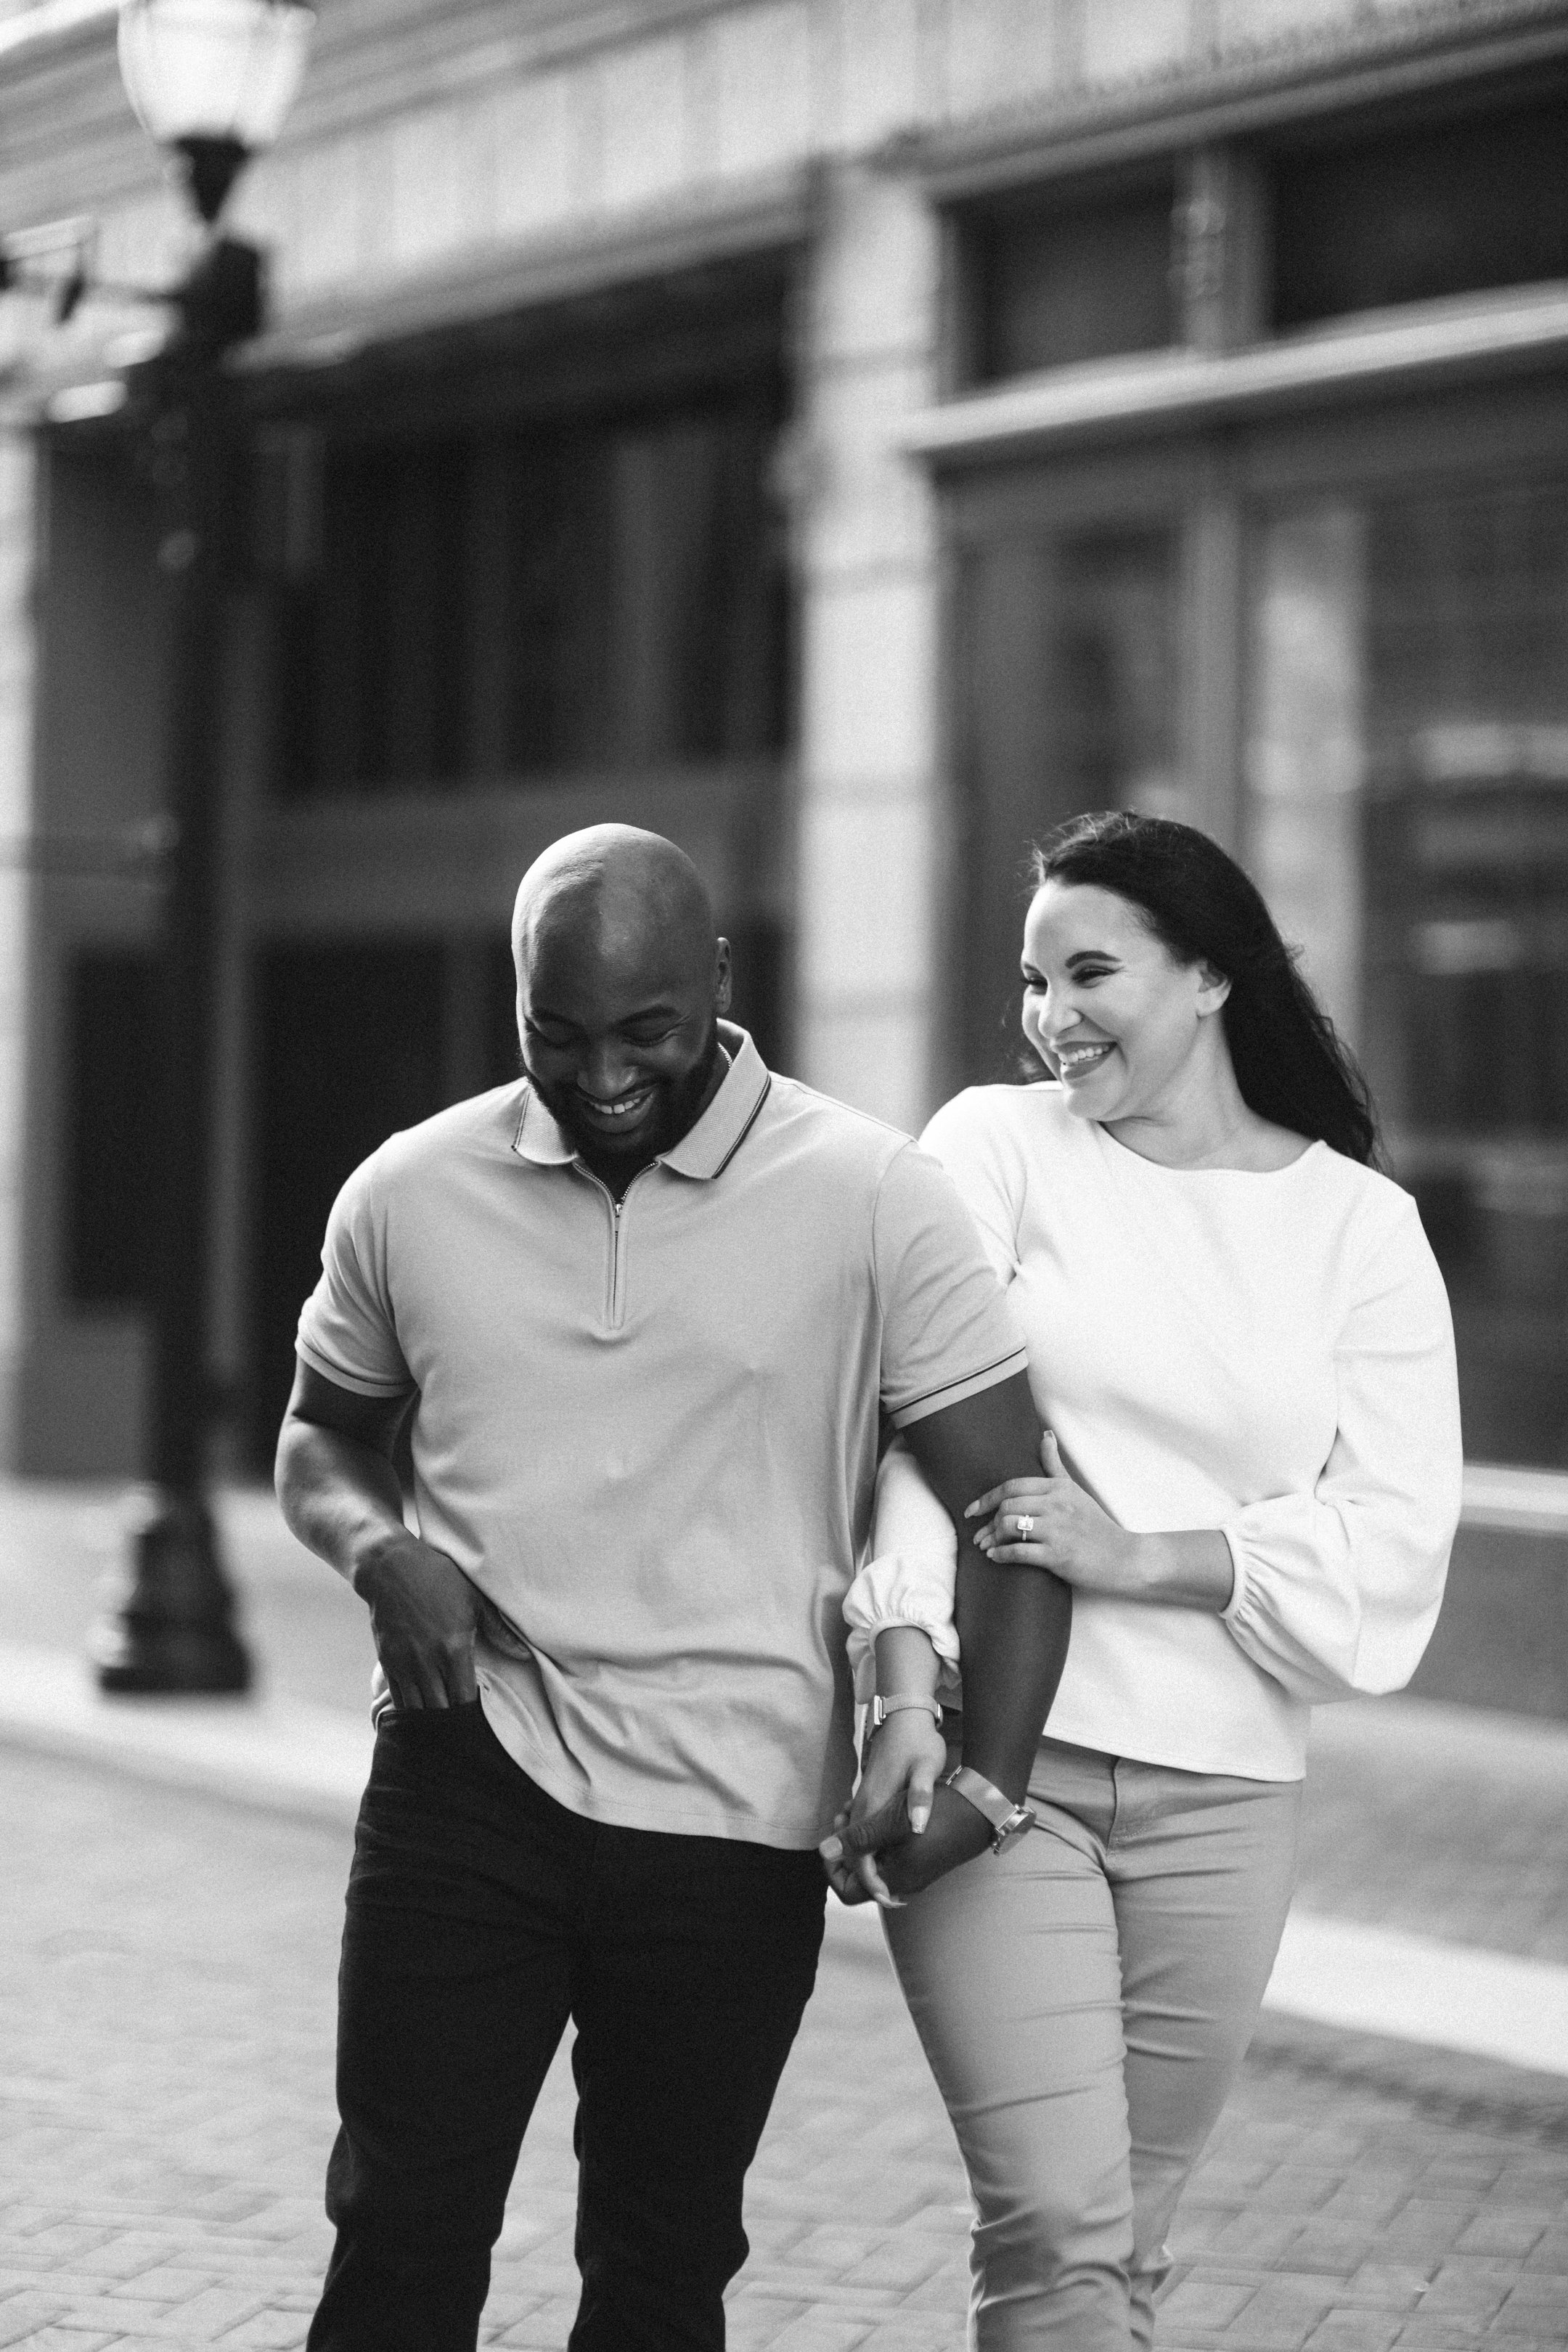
point(920, 1794)
point(1015, 1491)
point(874, 1885)
point(845, 1884)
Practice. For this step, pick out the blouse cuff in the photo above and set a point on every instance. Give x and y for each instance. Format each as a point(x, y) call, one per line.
point(911, 1588)
point(1238, 1550)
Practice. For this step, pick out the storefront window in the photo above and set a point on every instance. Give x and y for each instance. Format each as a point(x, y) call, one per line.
point(1406, 776)
point(541, 601)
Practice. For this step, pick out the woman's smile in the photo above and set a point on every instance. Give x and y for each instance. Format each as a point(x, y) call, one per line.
point(1077, 1060)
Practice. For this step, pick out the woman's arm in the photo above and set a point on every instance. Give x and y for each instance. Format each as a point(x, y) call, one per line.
point(909, 1579)
point(1330, 1590)
point(1337, 1591)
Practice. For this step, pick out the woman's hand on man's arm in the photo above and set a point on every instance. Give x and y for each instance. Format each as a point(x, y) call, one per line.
point(1050, 1522)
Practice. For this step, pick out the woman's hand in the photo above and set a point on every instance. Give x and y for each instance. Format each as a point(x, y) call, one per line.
point(907, 1865)
point(1064, 1530)
point(893, 1802)
point(1050, 1522)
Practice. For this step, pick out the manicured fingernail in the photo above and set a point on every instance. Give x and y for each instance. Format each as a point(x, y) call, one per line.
point(970, 1509)
point(918, 1819)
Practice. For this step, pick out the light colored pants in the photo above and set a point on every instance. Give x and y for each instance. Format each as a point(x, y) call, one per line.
point(1085, 2000)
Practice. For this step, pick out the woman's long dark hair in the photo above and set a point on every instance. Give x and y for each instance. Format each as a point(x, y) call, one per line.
point(1290, 1063)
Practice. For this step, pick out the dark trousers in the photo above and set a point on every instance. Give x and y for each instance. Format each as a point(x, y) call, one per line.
point(481, 1916)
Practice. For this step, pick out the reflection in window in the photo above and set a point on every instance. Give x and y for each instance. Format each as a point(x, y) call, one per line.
point(1409, 818)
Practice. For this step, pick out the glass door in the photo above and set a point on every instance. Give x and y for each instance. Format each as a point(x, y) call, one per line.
point(1406, 816)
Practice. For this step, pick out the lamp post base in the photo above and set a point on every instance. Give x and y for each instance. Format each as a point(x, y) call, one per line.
point(170, 1627)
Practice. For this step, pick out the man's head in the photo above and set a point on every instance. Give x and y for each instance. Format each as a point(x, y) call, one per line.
point(620, 979)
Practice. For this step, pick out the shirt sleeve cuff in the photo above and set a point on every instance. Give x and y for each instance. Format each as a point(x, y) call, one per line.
point(357, 1383)
point(937, 1399)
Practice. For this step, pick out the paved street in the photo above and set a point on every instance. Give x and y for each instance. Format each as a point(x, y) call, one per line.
point(167, 1962)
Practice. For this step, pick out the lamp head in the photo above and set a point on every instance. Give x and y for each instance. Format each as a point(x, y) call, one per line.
point(211, 80)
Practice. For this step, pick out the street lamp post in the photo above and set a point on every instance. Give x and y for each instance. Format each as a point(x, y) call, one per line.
point(211, 81)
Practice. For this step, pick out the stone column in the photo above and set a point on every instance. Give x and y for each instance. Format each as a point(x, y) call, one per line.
point(870, 816)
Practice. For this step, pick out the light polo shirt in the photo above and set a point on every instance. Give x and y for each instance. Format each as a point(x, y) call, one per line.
point(647, 1433)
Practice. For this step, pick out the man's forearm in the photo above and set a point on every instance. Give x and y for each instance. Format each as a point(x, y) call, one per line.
point(339, 1496)
point(1012, 1628)
point(1012, 1622)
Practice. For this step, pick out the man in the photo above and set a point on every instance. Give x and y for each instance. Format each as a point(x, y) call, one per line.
point(645, 1304)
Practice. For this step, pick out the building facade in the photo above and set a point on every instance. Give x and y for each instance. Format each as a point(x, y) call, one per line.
point(847, 436)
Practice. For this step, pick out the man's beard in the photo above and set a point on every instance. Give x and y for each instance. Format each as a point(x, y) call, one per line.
point(675, 1107)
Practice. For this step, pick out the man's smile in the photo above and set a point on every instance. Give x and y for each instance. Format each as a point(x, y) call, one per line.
point(622, 1111)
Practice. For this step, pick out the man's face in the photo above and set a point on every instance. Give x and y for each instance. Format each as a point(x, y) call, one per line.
point(619, 1035)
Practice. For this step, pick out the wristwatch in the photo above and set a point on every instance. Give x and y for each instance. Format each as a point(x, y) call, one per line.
point(881, 1708)
point(1009, 1821)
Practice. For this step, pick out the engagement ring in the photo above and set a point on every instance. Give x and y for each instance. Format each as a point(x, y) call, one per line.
point(1025, 1525)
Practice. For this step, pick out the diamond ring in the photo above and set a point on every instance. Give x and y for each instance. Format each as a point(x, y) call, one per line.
point(1026, 1526)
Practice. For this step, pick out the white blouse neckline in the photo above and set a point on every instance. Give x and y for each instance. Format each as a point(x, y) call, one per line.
point(1166, 1167)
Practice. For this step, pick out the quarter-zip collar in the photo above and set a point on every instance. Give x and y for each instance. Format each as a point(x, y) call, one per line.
point(704, 1152)
point(706, 1149)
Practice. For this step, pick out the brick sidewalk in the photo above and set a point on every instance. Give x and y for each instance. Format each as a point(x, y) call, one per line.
point(168, 1966)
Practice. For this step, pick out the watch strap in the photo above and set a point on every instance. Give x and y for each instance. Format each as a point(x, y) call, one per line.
point(1008, 1819)
point(881, 1708)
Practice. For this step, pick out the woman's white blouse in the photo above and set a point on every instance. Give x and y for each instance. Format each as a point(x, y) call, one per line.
point(1267, 1354)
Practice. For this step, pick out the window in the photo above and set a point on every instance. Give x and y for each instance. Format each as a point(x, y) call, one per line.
point(1408, 771)
point(533, 601)
point(1409, 216)
point(1083, 273)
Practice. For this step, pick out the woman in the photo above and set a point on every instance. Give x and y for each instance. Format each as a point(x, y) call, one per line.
point(1240, 1345)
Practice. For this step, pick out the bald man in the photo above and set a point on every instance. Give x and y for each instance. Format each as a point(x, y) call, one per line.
point(645, 1306)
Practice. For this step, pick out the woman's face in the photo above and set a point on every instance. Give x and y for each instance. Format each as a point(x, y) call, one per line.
point(1108, 1008)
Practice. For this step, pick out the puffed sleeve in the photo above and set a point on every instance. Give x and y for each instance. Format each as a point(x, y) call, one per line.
point(909, 1578)
point(1337, 1591)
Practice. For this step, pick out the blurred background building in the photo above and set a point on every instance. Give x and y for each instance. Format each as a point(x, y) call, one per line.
point(847, 436)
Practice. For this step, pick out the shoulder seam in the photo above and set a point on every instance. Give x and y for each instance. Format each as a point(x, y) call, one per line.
point(848, 1110)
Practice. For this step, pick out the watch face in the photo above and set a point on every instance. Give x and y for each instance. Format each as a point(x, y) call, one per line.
point(1016, 1826)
